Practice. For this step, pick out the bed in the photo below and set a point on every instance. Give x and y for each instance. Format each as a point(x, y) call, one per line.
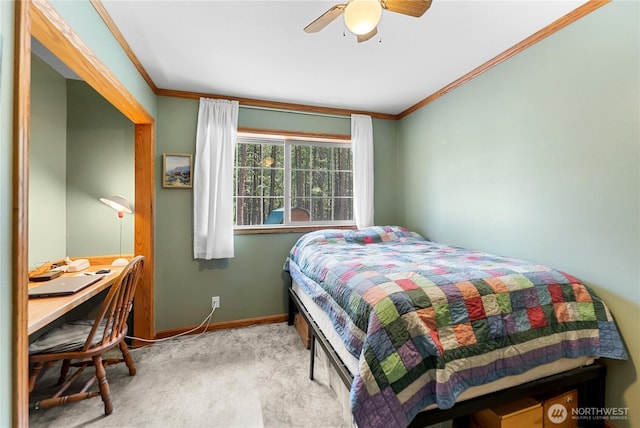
point(421, 332)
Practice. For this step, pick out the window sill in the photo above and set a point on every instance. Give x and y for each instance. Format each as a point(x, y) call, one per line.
point(288, 229)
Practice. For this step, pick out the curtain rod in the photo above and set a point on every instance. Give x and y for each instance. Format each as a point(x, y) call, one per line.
point(310, 113)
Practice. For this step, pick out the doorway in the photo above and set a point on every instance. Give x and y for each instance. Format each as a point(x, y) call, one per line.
point(40, 20)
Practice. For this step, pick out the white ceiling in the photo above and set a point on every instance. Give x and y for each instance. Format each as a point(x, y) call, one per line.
point(257, 49)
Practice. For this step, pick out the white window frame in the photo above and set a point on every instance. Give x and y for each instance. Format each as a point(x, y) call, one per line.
point(288, 140)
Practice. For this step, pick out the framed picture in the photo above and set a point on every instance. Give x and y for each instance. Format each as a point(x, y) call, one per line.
point(176, 170)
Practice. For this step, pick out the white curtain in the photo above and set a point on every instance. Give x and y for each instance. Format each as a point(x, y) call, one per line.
point(213, 179)
point(362, 146)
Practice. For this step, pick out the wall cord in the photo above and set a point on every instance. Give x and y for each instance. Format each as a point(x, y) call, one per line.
point(204, 323)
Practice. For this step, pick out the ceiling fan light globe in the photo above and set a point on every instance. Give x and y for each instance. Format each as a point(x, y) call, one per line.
point(362, 16)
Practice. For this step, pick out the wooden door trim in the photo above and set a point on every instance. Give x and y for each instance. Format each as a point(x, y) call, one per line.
point(20, 229)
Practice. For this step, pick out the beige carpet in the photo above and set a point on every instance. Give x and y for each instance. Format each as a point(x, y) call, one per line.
point(250, 377)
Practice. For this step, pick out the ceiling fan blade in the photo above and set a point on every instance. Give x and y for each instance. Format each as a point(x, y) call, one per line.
point(370, 34)
point(407, 7)
point(325, 19)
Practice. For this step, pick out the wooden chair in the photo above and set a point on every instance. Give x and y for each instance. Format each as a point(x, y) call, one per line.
point(82, 344)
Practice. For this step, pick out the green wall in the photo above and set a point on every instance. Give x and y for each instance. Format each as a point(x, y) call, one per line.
point(539, 158)
point(47, 165)
point(81, 149)
point(100, 162)
point(6, 183)
point(250, 284)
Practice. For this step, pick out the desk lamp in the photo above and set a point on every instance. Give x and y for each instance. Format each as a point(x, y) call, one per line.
point(121, 205)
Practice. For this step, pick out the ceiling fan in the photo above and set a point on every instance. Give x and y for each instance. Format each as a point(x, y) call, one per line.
point(362, 16)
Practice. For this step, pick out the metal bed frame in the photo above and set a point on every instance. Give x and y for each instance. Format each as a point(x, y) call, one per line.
point(588, 380)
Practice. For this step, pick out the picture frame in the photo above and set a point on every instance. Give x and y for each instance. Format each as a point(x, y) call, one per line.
point(177, 170)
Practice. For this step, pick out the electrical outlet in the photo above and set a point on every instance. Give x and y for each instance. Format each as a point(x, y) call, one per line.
point(215, 302)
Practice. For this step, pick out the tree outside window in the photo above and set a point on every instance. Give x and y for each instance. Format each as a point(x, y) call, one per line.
point(289, 182)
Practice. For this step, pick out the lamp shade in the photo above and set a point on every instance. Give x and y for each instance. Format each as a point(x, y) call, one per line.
point(362, 16)
point(118, 203)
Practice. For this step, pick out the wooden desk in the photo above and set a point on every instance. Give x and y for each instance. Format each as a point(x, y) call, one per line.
point(45, 310)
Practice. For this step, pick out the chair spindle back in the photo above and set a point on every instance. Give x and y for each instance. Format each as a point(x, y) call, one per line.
point(111, 321)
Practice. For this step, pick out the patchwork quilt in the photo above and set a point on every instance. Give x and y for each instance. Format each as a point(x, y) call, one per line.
point(428, 321)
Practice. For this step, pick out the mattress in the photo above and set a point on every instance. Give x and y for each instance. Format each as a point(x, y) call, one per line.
point(326, 326)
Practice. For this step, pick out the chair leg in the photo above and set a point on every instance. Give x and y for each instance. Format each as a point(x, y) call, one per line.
point(101, 375)
point(64, 370)
point(58, 398)
point(126, 355)
point(36, 368)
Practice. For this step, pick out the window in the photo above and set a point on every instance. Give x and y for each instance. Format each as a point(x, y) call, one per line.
point(284, 181)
